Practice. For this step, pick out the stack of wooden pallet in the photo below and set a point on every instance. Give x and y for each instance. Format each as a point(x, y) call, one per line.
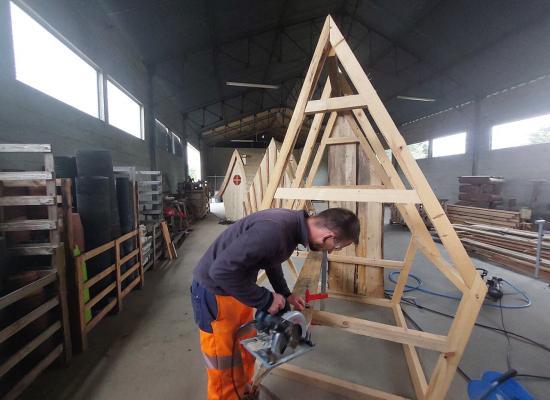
point(474, 215)
point(480, 191)
point(513, 248)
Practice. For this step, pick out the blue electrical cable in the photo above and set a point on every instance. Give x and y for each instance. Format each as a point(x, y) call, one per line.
point(419, 283)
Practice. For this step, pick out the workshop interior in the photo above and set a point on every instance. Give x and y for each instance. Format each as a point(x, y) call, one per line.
point(141, 140)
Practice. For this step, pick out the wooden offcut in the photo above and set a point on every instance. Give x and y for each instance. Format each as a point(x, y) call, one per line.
point(370, 123)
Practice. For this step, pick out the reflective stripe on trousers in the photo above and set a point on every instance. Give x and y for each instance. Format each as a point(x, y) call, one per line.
point(217, 350)
point(223, 362)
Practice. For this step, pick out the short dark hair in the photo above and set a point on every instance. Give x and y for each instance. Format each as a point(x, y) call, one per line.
point(342, 222)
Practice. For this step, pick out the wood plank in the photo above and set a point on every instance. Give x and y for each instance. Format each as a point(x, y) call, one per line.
point(404, 274)
point(25, 148)
point(459, 334)
point(318, 157)
point(33, 249)
point(390, 178)
point(392, 264)
point(342, 103)
point(28, 348)
point(7, 201)
point(411, 356)
point(49, 277)
point(92, 302)
point(404, 158)
point(168, 241)
point(25, 175)
point(98, 250)
point(331, 384)
point(127, 236)
point(374, 301)
point(129, 288)
point(307, 150)
point(309, 279)
point(342, 164)
point(92, 281)
point(295, 124)
point(28, 225)
point(341, 140)
point(129, 271)
point(95, 320)
point(22, 322)
point(129, 256)
point(18, 389)
point(358, 195)
point(382, 331)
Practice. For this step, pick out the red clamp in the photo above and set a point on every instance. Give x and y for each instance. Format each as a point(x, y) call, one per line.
point(315, 296)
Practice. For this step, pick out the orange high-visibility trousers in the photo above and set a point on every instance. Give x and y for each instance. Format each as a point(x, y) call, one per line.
point(217, 350)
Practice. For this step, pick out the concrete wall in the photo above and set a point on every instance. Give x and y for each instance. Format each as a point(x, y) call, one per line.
point(519, 165)
point(29, 116)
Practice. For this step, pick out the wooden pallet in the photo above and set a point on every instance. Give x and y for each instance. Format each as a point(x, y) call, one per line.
point(51, 277)
point(124, 283)
point(333, 50)
point(114, 293)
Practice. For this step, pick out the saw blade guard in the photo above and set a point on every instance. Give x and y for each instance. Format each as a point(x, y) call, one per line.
point(297, 318)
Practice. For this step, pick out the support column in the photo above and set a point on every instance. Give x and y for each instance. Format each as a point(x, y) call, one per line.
point(185, 137)
point(476, 138)
point(149, 125)
point(7, 62)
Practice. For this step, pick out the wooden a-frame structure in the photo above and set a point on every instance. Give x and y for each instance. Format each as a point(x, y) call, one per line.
point(366, 114)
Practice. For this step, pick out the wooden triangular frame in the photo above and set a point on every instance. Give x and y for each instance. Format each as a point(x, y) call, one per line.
point(338, 98)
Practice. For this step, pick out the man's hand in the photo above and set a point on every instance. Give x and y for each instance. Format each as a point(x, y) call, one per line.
point(296, 301)
point(278, 304)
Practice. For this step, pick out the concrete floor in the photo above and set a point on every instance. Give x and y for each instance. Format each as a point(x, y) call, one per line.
point(151, 350)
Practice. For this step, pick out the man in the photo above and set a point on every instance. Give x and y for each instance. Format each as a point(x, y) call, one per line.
point(224, 290)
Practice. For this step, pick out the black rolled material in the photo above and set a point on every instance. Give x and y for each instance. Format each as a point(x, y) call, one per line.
point(65, 167)
point(125, 204)
point(94, 201)
point(4, 263)
point(100, 163)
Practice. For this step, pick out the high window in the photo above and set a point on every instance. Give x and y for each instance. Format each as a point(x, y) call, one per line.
point(194, 162)
point(521, 133)
point(419, 150)
point(449, 145)
point(46, 63)
point(123, 111)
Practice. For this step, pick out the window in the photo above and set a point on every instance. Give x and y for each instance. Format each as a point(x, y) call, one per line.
point(194, 162)
point(123, 111)
point(419, 150)
point(449, 145)
point(168, 140)
point(47, 64)
point(521, 133)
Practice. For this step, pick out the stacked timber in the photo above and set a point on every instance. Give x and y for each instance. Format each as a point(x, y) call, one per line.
point(480, 191)
point(459, 214)
point(512, 248)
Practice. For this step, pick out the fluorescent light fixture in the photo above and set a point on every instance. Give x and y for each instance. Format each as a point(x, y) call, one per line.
point(415, 98)
point(242, 140)
point(252, 85)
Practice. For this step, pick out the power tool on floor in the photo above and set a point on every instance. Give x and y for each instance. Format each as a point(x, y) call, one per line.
point(280, 338)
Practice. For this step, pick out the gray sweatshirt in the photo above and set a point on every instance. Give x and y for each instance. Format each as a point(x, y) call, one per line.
point(262, 240)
